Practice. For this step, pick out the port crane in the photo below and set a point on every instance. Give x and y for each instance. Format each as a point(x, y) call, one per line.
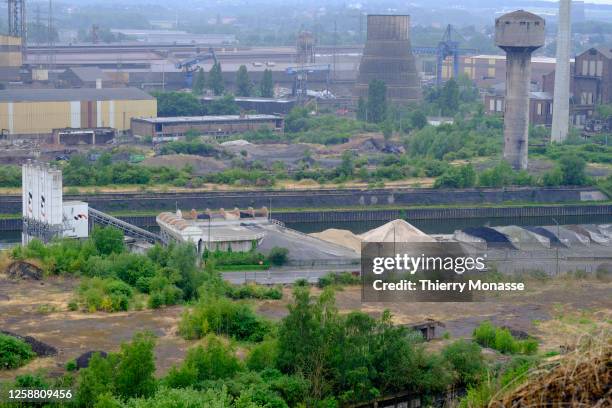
point(190, 65)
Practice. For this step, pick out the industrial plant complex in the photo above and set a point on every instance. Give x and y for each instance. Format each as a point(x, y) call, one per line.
point(281, 203)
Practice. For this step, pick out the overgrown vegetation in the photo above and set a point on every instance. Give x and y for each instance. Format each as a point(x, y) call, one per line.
point(502, 340)
point(14, 352)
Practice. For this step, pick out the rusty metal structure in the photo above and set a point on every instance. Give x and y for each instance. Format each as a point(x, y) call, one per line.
point(305, 48)
point(387, 56)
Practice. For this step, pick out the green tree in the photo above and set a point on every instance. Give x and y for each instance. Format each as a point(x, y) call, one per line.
point(14, 352)
point(347, 166)
point(266, 86)
point(96, 380)
point(572, 170)
point(418, 119)
point(183, 258)
point(362, 109)
point(225, 105)
point(449, 97)
point(107, 240)
point(215, 79)
point(457, 177)
point(199, 82)
point(136, 368)
point(387, 129)
point(243, 83)
point(307, 339)
point(177, 104)
point(377, 101)
point(278, 256)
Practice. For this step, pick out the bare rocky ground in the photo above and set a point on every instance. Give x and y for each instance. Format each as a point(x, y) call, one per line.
point(554, 311)
point(39, 309)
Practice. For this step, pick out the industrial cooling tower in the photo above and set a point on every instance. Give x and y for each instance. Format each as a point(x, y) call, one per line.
point(387, 56)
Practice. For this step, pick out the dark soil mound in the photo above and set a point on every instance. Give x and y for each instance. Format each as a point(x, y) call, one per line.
point(41, 349)
point(24, 270)
point(82, 361)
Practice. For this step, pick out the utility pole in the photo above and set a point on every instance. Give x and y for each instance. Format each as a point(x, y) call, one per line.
point(335, 41)
point(51, 40)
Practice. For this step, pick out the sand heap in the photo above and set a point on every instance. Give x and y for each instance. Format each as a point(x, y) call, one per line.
point(341, 237)
point(394, 231)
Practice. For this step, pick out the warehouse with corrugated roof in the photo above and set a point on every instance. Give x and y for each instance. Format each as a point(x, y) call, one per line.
point(31, 112)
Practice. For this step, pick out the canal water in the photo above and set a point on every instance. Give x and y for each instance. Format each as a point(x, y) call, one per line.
point(439, 226)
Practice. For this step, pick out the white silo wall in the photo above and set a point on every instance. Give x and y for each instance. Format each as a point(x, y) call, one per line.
point(36, 176)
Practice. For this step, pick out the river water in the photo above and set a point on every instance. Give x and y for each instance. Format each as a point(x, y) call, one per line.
point(441, 226)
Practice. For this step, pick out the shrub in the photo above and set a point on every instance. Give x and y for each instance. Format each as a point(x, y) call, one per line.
point(71, 365)
point(253, 291)
point(504, 342)
point(212, 362)
point(105, 294)
point(135, 372)
point(156, 300)
point(222, 316)
point(107, 240)
point(14, 352)
point(485, 334)
point(342, 278)
point(528, 346)
point(466, 360)
point(31, 381)
point(278, 256)
point(262, 356)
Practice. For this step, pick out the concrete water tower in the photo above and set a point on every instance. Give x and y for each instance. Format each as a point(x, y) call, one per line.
point(519, 33)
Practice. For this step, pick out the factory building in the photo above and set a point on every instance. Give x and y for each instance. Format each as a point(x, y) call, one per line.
point(36, 112)
point(489, 70)
point(590, 83)
point(85, 77)
point(218, 127)
point(268, 106)
point(213, 230)
point(11, 58)
point(540, 107)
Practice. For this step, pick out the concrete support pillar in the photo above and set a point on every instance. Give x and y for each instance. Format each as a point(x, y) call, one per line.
point(516, 110)
point(560, 124)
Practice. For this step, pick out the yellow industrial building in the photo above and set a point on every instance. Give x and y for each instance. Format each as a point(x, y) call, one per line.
point(39, 111)
point(10, 51)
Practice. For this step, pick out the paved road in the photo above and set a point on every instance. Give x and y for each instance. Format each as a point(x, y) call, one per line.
point(284, 276)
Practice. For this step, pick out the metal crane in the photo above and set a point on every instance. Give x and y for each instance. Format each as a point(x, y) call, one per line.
point(447, 47)
point(300, 74)
point(189, 65)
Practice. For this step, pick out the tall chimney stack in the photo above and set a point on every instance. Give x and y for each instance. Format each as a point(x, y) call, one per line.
point(560, 124)
point(519, 34)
